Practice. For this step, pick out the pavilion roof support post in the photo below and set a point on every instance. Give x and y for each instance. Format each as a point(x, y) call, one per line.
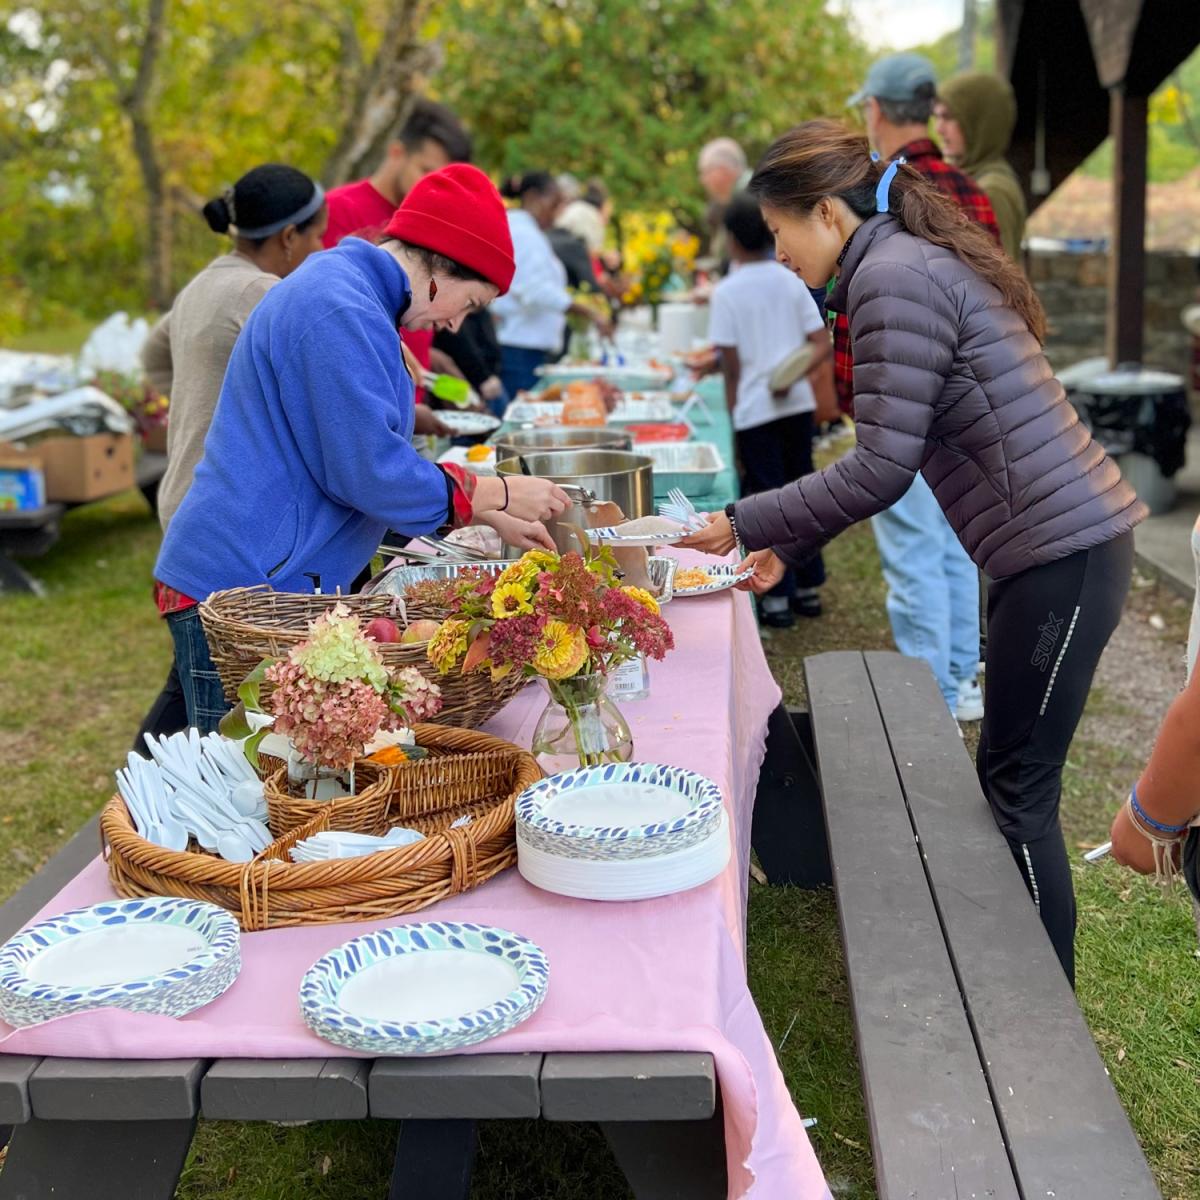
point(1127, 259)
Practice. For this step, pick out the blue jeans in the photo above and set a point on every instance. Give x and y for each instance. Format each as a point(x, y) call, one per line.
point(933, 588)
point(202, 691)
point(517, 366)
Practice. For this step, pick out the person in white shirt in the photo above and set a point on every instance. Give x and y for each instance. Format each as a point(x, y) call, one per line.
point(531, 319)
point(761, 314)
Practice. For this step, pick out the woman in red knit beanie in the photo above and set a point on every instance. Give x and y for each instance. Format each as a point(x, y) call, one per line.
point(308, 462)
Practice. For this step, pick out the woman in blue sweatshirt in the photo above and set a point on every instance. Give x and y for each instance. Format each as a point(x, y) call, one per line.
point(308, 460)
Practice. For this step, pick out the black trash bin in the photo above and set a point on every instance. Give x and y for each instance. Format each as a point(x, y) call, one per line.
point(1141, 418)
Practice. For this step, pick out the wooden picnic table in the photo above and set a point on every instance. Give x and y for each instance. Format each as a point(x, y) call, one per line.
point(29, 533)
point(107, 1128)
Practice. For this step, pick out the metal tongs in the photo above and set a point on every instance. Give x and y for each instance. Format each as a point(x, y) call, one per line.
point(581, 495)
point(437, 550)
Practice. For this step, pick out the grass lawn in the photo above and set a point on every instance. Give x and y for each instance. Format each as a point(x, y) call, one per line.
point(79, 667)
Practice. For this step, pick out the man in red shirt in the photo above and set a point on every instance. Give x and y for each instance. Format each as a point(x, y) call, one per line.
point(933, 587)
point(430, 139)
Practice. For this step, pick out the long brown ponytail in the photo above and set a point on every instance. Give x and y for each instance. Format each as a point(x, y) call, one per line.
point(825, 158)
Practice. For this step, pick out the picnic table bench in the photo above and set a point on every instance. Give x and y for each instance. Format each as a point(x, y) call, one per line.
point(97, 1129)
point(979, 1073)
point(28, 533)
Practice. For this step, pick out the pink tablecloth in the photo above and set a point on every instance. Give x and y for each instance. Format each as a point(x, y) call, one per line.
point(663, 974)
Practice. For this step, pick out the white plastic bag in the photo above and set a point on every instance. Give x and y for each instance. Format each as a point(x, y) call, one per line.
point(116, 345)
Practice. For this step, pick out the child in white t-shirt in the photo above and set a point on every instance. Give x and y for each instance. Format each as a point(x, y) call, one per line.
point(760, 314)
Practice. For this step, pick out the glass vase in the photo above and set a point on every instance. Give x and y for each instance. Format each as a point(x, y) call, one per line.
point(318, 783)
point(580, 727)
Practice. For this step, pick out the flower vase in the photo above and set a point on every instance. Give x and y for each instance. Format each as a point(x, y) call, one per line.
point(581, 726)
point(318, 783)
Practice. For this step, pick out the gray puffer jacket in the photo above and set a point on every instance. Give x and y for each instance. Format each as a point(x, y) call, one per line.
point(949, 381)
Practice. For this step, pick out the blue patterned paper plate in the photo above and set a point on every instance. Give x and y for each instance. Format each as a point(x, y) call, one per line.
point(161, 954)
point(693, 816)
point(424, 989)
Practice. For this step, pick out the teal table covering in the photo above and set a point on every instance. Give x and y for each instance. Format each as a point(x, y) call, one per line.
point(712, 424)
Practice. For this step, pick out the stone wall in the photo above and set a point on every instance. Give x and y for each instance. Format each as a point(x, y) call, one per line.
point(1073, 287)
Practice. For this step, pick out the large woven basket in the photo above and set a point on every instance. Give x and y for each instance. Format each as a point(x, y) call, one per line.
point(245, 625)
point(481, 778)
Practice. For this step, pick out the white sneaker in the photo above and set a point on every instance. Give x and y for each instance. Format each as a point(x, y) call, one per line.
point(970, 701)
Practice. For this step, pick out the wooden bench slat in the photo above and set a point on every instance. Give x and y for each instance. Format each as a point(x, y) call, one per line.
point(934, 1131)
point(475, 1086)
point(15, 1070)
point(285, 1089)
point(669, 1086)
point(1064, 1124)
point(87, 1089)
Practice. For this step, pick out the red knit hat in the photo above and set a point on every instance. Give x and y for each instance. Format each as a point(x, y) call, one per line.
point(458, 212)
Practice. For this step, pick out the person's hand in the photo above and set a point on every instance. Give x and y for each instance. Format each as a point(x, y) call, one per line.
point(525, 535)
point(768, 568)
point(491, 388)
point(604, 325)
point(1130, 847)
point(702, 362)
point(715, 538)
point(427, 423)
point(529, 498)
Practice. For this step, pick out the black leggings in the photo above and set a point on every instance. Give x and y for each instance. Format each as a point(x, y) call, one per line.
point(773, 455)
point(1047, 628)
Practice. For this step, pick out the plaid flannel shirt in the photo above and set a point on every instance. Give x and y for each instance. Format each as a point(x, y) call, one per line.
point(924, 155)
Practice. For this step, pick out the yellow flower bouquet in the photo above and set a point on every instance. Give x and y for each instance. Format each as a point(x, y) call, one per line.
point(654, 250)
point(565, 619)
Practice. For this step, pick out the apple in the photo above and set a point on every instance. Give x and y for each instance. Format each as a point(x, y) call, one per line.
point(420, 631)
point(381, 629)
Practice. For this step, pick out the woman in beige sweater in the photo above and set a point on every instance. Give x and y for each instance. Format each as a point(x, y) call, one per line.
point(276, 216)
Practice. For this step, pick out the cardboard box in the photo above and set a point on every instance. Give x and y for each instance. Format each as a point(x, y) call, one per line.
point(86, 468)
point(22, 481)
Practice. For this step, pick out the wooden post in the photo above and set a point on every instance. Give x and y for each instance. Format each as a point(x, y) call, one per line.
point(1127, 260)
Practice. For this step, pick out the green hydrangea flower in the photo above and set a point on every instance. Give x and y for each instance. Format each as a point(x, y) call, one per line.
point(337, 651)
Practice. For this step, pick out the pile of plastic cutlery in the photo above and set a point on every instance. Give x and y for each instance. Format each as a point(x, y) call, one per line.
point(196, 786)
point(679, 508)
point(333, 843)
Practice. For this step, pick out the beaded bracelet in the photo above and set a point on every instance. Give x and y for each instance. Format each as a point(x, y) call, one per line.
point(1142, 815)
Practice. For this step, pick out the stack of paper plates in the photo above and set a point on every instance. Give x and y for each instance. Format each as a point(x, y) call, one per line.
point(424, 989)
point(161, 955)
point(622, 831)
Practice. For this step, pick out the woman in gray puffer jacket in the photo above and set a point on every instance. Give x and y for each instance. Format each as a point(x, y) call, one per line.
point(950, 380)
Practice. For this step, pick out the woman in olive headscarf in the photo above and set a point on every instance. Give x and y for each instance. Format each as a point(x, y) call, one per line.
point(974, 116)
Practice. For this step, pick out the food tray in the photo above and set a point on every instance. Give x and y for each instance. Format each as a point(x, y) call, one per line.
point(692, 467)
point(655, 406)
point(394, 580)
point(632, 377)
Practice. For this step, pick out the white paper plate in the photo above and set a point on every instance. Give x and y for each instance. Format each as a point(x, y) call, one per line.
point(424, 988)
point(457, 455)
point(468, 424)
point(723, 579)
point(627, 879)
point(611, 535)
point(161, 954)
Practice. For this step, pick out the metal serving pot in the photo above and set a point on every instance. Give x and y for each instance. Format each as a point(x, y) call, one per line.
point(617, 475)
point(565, 437)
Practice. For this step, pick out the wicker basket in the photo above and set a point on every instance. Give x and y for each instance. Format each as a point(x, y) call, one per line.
point(359, 813)
point(245, 625)
point(480, 776)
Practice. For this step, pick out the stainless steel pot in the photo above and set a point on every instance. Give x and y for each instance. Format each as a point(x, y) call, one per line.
point(617, 475)
point(560, 437)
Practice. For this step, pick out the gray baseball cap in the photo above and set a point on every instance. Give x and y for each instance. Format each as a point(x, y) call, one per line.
point(896, 77)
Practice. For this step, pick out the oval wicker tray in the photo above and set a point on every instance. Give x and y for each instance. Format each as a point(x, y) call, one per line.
point(273, 892)
point(245, 625)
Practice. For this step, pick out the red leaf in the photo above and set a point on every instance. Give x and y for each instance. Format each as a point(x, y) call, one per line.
point(477, 653)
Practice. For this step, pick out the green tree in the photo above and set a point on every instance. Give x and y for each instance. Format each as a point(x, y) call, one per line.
point(629, 90)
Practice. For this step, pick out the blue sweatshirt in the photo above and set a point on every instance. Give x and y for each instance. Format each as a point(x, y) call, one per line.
point(308, 460)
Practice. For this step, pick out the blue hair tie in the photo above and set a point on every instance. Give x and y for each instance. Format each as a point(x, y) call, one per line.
point(882, 203)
